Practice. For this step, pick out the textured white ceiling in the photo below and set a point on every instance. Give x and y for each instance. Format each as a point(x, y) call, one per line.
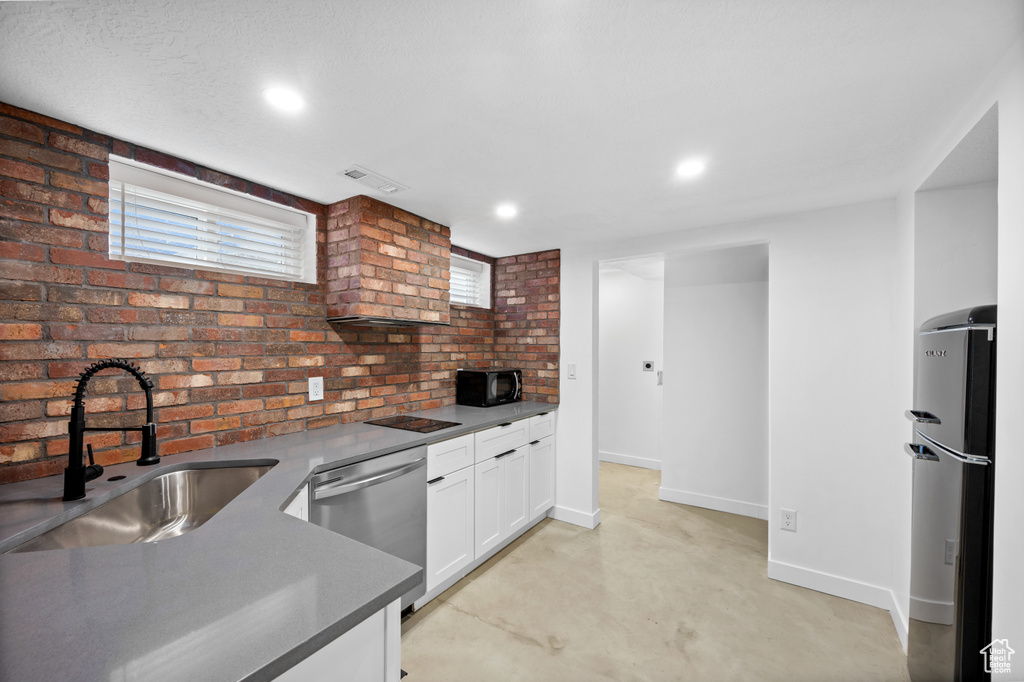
point(575, 110)
point(974, 160)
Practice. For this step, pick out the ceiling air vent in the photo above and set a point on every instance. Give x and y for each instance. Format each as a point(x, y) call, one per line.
point(375, 181)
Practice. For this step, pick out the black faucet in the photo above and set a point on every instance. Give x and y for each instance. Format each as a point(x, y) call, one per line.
point(77, 473)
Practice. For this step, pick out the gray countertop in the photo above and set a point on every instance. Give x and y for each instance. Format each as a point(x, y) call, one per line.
point(245, 597)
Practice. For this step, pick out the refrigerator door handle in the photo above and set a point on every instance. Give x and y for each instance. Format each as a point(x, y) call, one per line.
point(918, 451)
point(955, 454)
point(922, 417)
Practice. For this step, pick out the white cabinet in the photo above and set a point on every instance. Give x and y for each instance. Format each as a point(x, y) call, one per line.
point(450, 526)
point(516, 482)
point(299, 506)
point(490, 505)
point(502, 498)
point(449, 455)
point(542, 476)
point(369, 652)
point(501, 439)
point(542, 425)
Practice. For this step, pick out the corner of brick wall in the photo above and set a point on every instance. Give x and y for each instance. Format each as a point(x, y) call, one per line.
point(526, 320)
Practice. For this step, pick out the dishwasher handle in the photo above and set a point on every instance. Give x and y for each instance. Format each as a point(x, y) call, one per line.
point(342, 486)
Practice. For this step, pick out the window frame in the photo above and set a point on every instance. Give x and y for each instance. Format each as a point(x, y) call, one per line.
point(483, 271)
point(193, 190)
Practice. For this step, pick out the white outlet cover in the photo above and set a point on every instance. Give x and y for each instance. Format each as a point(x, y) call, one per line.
point(316, 388)
point(787, 519)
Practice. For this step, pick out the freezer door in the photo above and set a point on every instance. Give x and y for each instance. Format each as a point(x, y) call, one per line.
point(941, 389)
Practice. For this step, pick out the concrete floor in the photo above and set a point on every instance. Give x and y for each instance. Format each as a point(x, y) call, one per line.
point(658, 591)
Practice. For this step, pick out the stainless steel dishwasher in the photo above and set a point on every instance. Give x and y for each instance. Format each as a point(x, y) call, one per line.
point(381, 502)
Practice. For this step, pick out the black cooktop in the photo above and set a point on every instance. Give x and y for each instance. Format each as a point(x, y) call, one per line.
point(417, 424)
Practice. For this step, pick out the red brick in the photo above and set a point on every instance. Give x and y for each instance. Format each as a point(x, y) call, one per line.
point(86, 332)
point(46, 157)
point(78, 221)
point(19, 210)
point(12, 412)
point(30, 470)
point(147, 333)
point(187, 286)
point(21, 171)
point(161, 160)
point(241, 436)
point(39, 350)
point(35, 194)
point(216, 364)
point(32, 430)
point(122, 350)
point(84, 258)
point(173, 447)
point(232, 378)
point(240, 406)
point(10, 371)
point(239, 291)
point(26, 115)
point(75, 146)
point(78, 184)
point(183, 412)
point(141, 300)
point(26, 131)
point(233, 320)
point(217, 424)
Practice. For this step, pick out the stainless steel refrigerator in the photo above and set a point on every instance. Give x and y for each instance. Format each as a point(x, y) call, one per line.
point(954, 466)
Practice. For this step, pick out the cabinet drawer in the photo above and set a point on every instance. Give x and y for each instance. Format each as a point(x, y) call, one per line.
point(542, 425)
point(450, 455)
point(501, 439)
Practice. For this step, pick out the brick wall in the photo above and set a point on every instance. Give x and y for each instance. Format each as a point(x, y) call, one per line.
point(384, 262)
point(526, 320)
point(230, 355)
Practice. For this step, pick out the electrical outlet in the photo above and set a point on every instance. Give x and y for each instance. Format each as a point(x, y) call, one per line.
point(572, 371)
point(950, 551)
point(316, 388)
point(788, 519)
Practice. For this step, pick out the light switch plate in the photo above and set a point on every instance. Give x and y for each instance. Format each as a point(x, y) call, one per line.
point(572, 371)
point(316, 388)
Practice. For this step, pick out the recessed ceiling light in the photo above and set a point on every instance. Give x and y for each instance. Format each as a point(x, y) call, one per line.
point(690, 168)
point(505, 210)
point(284, 99)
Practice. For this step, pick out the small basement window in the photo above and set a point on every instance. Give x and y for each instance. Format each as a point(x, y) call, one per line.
point(470, 282)
point(167, 218)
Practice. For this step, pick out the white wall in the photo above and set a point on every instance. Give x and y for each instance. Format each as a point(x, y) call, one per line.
point(716, 443)
point(631, 331)
point(1004, 87)
point(955, 249)
point(835, 413)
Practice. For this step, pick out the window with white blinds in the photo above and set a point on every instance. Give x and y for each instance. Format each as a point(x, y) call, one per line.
point(470, 282)
point(167, 218)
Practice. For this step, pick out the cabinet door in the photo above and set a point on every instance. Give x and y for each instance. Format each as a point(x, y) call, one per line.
point(517, 490)
point(489, 505)
point(449, 526)
point(542, 476)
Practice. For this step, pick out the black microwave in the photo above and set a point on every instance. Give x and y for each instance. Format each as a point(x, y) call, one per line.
point(488, 387)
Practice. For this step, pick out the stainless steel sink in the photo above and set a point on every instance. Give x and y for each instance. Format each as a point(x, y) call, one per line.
point(166, 506)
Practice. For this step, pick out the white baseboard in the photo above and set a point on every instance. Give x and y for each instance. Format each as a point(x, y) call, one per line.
point(723, 504)
point(899, 621)
point(854, 590)
point(629, 460)
point(932, 611)
point(847, 588)
point(590, 521)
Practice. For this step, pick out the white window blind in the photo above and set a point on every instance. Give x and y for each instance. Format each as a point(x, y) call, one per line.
point(470, 282)
point(158, 217)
